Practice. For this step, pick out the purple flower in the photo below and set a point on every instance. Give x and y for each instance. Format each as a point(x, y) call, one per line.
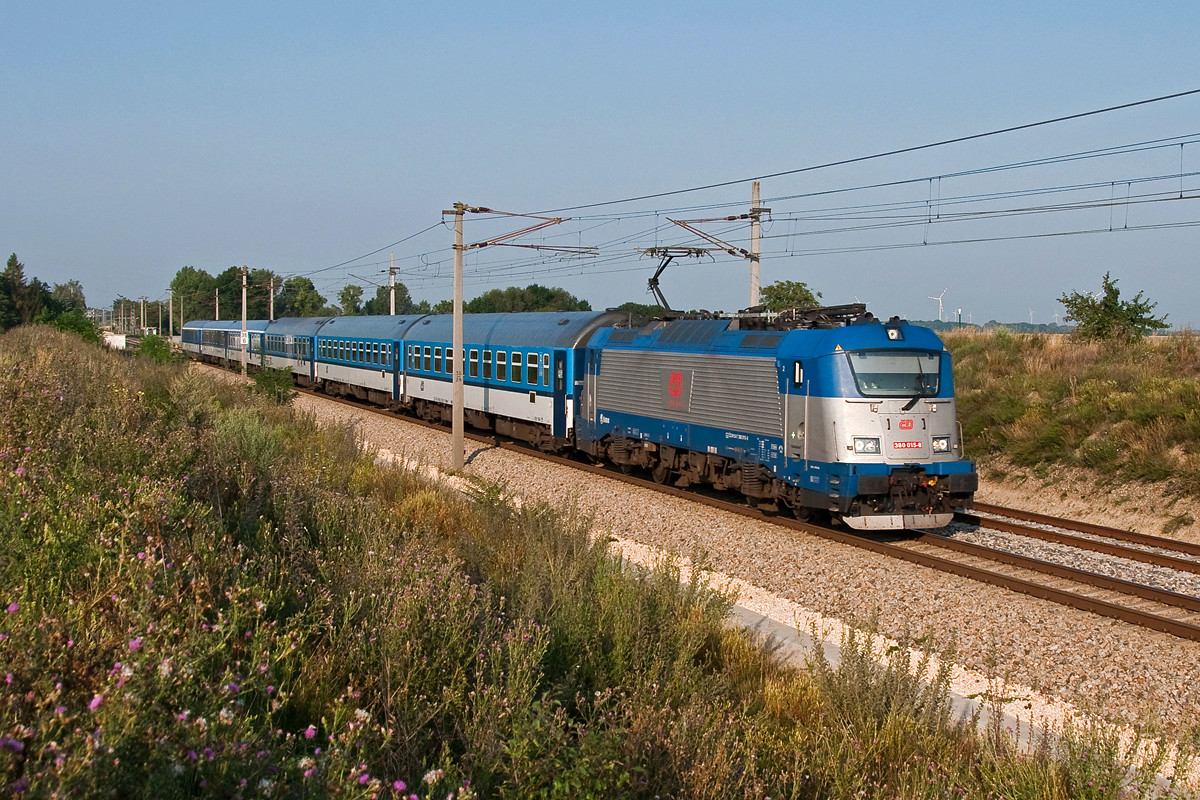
point(13, 608)
point(60, 710)
point(96, 701)
point(141, 556)
point(209, 754)
point(310, 732)
point(135, 643)
point(233, 688)
point(399, 786)
point(8, 678)
point(363, 778)
point(270, 690)
point(20, 471)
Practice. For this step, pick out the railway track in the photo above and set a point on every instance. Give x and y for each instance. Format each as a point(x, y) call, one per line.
point(1146, 606)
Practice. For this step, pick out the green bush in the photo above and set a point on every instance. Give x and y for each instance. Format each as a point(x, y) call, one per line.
point(275, 384)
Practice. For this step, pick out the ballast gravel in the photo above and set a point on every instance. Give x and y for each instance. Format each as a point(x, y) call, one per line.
point(1048, 655)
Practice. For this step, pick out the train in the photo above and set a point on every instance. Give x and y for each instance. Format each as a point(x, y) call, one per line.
point(827, 411)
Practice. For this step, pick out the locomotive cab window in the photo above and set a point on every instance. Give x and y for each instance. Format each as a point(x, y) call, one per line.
point(896, 373)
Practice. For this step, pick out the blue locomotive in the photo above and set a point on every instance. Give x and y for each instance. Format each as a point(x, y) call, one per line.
point(823, 410)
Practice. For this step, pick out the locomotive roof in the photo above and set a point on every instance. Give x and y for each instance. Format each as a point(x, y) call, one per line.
point(805, 342)
point(523, 329)
point(227, 324)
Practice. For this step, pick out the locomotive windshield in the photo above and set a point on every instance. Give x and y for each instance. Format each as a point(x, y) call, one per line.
point(896, 373)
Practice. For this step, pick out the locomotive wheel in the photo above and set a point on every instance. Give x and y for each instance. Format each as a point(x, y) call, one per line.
point(660, 473)
point(626, 469)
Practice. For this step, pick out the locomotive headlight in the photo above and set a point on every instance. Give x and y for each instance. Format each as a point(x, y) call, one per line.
point(941, 444)
point(866, 447)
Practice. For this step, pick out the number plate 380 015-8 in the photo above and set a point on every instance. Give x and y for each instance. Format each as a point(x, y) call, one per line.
point(906, 445)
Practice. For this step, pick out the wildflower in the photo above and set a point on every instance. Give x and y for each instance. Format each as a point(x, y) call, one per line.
point(310, 732)
point(363, 778)
point(8, 678)
point(60, 710)
point(432, 776)
point(361, 715)
point(270, 690)
point(226, 715)
point(209, 754)
point(164, 669)
point(96, 701)
point(135, 643)
point(141, 556)
point(20, 471)
point(13, 608)
point(399, 786)
point(233, 688)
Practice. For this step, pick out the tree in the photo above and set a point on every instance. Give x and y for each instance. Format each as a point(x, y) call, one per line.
point(194, 289)
point(27, 300)
point(1107, 317)
point(381, 303)
point(782, 295)
point(70, 295)
point(443, 307)
point(299, 298)
point(351, 299)
point(641, 310)
point(74, 321)
point(531, 298)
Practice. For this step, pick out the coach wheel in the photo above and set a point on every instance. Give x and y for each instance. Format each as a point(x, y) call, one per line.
point(660, 473)
point(627, 469)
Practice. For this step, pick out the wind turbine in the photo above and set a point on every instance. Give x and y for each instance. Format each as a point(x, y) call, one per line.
point(1031, 316)
point(939, 299)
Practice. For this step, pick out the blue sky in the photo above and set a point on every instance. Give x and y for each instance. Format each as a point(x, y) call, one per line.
point(139, 138)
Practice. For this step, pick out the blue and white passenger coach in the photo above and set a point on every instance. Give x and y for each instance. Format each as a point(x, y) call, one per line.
point(855, 419)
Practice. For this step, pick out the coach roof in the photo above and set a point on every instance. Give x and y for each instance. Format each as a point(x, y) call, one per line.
point(525, 329)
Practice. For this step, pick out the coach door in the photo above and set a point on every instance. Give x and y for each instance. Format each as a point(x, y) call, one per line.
point(559, 427)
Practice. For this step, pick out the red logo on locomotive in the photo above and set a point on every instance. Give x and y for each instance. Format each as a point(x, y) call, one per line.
point(906, 424)
point(675, 384)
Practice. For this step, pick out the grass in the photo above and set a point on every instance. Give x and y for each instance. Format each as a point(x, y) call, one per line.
point(1127, 411)
point(208, 594)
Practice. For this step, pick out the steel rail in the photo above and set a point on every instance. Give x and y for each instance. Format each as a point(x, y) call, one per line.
point(1087, 577)
point(1058, 537)
point(1082, 602)
point(1090, 527)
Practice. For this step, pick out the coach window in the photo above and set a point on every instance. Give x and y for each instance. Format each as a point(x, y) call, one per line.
point(474, 364)
point(501, 365)
point(487, 364)
point(531, 369)
point(449, 361)
point(545, 369)
point(516, 364)
point(437, 359)
point(428, 358)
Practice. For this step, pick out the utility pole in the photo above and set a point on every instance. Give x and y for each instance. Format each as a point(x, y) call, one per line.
point(271, 300)
point(456, 437)
point(160, 318)
point(171, 313)
point(392, 282)
point(755, 232)
point(217, 306)
point(141, 315)
point(245, 338)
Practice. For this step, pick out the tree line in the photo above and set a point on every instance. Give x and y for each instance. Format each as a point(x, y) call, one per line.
point(24, 301)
